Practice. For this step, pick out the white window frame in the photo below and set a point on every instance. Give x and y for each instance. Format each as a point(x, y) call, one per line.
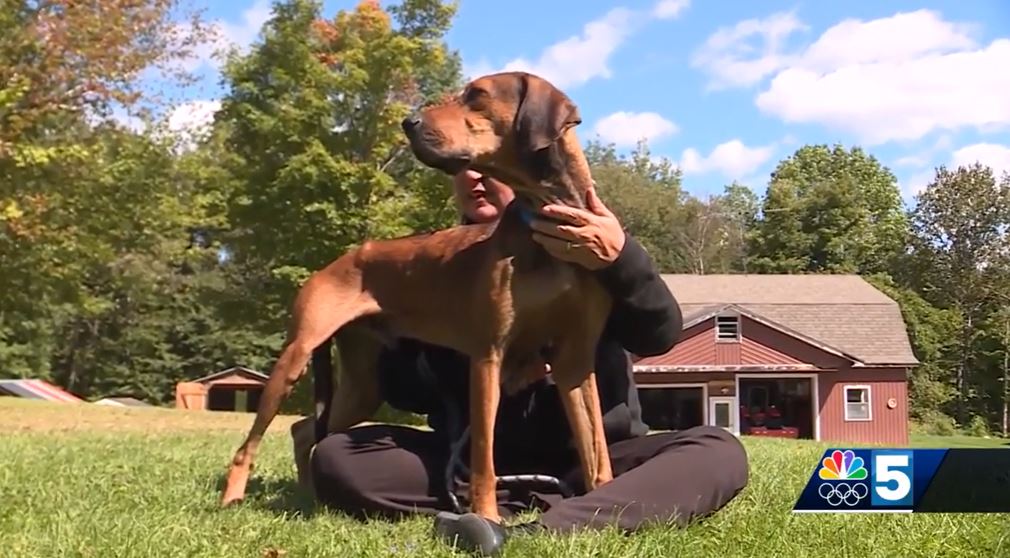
point(868, 403)
point(739, 328)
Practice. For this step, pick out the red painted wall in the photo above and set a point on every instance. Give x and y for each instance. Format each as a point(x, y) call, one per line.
point(888, 426)
point(760, 345)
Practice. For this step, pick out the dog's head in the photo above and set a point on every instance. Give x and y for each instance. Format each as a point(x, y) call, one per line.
point(506, 125)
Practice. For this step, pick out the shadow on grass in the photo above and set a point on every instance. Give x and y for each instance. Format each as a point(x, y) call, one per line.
point(279, 496)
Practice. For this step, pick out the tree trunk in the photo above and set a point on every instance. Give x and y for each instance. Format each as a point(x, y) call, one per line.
point(962, 371)
point(1006, 371)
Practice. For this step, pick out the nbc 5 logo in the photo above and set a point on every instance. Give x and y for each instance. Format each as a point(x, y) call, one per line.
point(892, 478)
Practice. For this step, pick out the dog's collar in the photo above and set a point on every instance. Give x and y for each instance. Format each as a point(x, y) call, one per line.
point(525, 214)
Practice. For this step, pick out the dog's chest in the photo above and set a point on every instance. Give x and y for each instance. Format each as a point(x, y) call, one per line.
point(541, 287)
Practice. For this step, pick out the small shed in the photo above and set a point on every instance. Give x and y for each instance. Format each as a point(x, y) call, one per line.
point(37, 389)
point(235, 389)
point(122, 402)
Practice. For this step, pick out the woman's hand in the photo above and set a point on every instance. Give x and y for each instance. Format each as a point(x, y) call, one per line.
point(592, 239)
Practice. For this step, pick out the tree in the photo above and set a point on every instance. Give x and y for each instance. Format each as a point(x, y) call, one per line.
point(933, 334)
point(830, 209)
point(645, 195)
point(61, 61)
point(63, 66)
point(957, 258)
point(312, 123)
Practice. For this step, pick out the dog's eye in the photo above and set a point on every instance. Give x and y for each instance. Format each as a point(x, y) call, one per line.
point(474, 95)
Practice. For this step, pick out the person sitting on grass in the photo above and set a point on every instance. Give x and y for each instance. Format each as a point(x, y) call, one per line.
point(392, 471)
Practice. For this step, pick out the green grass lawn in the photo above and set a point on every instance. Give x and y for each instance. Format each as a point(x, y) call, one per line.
point(93, 481)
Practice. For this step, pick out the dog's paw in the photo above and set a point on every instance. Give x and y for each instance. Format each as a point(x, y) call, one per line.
point(230, 499)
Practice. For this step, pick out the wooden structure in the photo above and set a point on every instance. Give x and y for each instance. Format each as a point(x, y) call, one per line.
point(822, 357)
point(233, 389)
point(36, 389)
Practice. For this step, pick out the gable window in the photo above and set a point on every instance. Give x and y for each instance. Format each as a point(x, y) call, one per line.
point(727, 328)
point(857, 403)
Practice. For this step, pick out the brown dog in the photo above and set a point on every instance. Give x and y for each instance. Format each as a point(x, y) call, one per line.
point(487, 291)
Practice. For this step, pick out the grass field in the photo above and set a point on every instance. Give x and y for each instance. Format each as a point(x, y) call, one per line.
point(90, 481)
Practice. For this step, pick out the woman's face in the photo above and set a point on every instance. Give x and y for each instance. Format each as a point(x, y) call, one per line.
point(480, 198)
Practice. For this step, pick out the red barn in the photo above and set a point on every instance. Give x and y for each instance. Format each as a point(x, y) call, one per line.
point(823, 357)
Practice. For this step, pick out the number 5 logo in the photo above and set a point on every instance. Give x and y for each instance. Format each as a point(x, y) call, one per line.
point(892, 478)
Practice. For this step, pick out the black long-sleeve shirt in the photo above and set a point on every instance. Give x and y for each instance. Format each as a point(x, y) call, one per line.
point(531, 425)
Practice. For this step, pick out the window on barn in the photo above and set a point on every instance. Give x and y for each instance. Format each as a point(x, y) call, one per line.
point(857, 403)
point(727, 328)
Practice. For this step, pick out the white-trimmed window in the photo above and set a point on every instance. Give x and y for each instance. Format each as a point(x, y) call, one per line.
point(857, 403)
point(727, 328)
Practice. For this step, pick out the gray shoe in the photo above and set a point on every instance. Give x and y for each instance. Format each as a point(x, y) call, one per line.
point(470, 532)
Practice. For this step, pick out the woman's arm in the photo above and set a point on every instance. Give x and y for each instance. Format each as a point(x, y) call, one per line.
point(646, 318)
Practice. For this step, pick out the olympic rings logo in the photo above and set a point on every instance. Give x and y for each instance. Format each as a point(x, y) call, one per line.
point(837, 494)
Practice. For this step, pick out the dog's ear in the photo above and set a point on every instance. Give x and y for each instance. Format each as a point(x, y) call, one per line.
point(544, 114)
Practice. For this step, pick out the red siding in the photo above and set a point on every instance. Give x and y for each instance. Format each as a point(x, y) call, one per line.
point(888, 426)
point(754, 352)
point(760, 345)
point(697, 346)
point(727, 353)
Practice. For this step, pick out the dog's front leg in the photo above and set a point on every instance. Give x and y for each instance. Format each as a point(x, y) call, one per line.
point(485, 392)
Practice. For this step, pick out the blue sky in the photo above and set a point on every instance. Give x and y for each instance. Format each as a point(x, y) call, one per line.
point(726, 89)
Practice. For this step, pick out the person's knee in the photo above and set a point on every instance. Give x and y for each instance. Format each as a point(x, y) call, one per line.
point(726, 449)
point(333, 470)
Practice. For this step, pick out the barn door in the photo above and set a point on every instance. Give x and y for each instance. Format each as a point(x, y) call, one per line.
point(190, 395)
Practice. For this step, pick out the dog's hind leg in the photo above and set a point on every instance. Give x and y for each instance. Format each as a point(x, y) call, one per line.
point(329, 300)
point(344, 397)
point(574, 374)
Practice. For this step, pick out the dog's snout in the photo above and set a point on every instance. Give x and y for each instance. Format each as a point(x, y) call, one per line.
point(411, 122)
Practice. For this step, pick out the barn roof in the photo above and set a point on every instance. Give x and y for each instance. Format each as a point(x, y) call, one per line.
point(37, 389)
point(843, 312)
point(235, 370)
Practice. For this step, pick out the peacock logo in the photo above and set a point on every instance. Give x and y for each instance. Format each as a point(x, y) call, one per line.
point(842, 466)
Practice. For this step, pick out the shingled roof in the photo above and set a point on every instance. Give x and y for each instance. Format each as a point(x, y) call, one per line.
point(841, 311)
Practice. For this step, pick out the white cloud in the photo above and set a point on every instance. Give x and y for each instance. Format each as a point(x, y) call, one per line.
point(747, 52)
point(897, 78)
point(995, 156)
point(992, 155)
point(916, 183)
point(189, 121)
point(895, 39)
point(580, 58)
point(732, 159)
point(193, 116)
point(627, 128)
point(669, 9)
point(911, 161)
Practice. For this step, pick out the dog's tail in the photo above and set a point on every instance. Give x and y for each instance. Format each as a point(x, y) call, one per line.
point(322, 382)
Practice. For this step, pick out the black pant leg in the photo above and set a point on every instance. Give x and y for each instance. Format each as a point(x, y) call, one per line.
point(668, 477)
point(380, 471)
point(389, 471)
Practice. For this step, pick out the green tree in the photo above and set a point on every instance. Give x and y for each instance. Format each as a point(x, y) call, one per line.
point(63, 66)
point(933, 333)
point(830, 210)
point(644, 194)
point(312, 122)
point(957, 260)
